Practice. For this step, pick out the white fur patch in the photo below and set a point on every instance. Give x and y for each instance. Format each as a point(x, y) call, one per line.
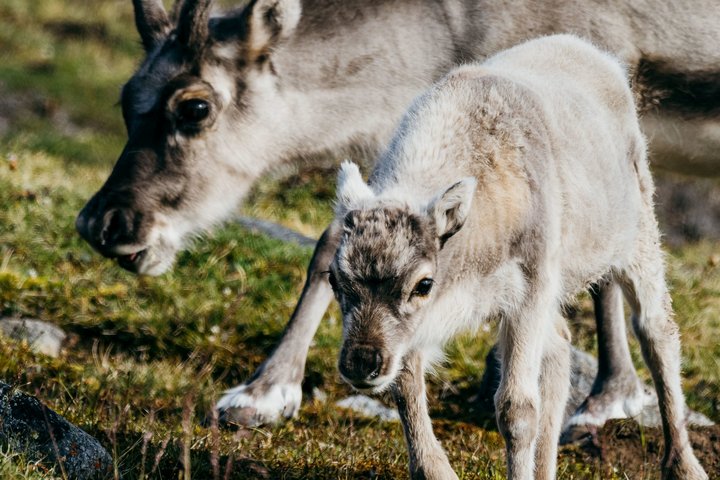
point(351, 189)
point(369, 407)
point(221, 82)
point(281, 400)
point(688, 146)
point(289, 13)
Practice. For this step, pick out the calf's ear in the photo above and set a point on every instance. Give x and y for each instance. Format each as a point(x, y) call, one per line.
point(271, 20)
point(450, 209)
point(351, 188)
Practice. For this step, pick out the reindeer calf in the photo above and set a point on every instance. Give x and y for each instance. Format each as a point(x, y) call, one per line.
point(508, 188)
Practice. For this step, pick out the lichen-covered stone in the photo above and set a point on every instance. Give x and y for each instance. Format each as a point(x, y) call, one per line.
point(29, 427)
point(43, 337)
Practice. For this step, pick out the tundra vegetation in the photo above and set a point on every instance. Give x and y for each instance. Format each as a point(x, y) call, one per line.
point(148, 357)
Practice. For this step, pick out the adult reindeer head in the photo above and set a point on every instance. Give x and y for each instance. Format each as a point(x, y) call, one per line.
point(202, 113)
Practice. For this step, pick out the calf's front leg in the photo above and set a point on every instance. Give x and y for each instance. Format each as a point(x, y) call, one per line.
point(274, 393)
point(554, 389)
point(428, 461)
point(518, 398)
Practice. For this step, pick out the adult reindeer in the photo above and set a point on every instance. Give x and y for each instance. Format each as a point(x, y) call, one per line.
point(217, 101)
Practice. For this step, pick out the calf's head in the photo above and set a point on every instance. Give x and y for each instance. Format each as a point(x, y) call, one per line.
point(384, 273)
point(200, 112)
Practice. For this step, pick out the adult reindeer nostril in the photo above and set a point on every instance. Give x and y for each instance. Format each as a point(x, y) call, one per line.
point(117, 227)
point(361, 364)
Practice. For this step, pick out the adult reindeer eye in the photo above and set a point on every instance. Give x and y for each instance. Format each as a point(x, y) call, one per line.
point(193, 111)
point(423, 287)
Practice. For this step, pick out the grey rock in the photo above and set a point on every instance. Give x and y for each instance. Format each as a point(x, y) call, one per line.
point(369, 407)
point(583, 369)
point(17, 107)
point(42, 337)
point(278, 232)
point(30, 428)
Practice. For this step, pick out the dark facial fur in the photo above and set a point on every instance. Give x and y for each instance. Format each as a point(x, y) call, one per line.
point(374, 274)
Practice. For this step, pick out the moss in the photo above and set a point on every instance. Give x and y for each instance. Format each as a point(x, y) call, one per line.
point(147, 353)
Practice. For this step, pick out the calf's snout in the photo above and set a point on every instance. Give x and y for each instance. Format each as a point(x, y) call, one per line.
point(360, 364)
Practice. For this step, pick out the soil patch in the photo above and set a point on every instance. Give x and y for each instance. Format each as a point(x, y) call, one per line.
point(622, 445)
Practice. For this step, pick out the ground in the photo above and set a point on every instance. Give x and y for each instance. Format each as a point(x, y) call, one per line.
point(148, 356)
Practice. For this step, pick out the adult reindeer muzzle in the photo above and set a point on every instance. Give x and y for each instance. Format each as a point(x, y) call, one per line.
point(119, 220)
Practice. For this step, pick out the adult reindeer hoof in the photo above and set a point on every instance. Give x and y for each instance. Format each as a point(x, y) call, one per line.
point(684, 466)
point(611, 403)
point(255, 404)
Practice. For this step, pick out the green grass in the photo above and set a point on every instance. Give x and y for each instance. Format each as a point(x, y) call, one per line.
point(148, 357)
point(14, 466)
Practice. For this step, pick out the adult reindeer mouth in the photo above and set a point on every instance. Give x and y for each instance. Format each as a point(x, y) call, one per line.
point(132, 261)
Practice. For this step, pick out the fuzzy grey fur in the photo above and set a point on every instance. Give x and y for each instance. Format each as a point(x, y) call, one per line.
point(486, 192)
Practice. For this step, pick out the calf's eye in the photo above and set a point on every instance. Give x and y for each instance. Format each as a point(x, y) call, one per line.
point(193, 111)
point(423, 287)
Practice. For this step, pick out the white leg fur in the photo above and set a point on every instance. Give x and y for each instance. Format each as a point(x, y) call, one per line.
point(518, 399)
point(554, 390)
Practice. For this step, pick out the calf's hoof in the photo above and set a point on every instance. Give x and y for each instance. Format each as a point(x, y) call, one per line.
point(257, 403)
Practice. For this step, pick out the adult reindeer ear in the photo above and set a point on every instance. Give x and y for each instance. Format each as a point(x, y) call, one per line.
point(450, 209)
point(271, 20)
point(152, 22)
point(192, 27)
point(351, 189)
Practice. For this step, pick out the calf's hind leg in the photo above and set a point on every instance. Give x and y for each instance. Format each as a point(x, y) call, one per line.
point(617, 392)
point(645, 288)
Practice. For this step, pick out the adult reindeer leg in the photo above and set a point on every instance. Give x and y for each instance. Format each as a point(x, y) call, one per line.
point(274, 392)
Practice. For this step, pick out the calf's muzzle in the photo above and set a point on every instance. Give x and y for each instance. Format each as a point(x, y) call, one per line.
point(360, 364)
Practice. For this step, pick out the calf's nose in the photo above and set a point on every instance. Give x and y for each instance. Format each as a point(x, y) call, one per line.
point(360, 363)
